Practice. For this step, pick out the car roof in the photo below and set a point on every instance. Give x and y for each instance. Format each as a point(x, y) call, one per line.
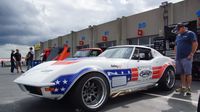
point(130, 46)
point(137, 46)
point(90, 49)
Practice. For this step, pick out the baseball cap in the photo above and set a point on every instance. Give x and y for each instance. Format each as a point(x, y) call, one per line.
point(177, 27)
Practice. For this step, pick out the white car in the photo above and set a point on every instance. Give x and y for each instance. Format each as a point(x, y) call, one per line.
point(90, 81)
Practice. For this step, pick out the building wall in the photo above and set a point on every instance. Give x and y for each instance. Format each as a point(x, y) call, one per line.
point(153, 23)
point(192, 6)
point(84, 35)
point(110, 29)
point(185, 11)
point(50, 43)
point(74, 40)
point(45, 44)
point(125, 28)
point(60, 41)
point(54, 42)
point(67, 39)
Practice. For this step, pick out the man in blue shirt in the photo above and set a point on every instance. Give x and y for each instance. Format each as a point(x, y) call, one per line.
point(186, 45)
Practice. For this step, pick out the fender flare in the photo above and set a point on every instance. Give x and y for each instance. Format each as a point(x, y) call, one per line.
point(84, 71)
point(166, 66)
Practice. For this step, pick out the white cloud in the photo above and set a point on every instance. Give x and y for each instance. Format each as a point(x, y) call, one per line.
point(32, 21)
point(61, 16)
point(6, 50)
point(40, 20)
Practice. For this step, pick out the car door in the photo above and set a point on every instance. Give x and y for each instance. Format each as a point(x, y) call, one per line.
point(141, 66)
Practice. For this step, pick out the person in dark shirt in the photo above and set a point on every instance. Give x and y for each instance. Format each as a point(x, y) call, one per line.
point(186, 46)
point(12, 61)
point(2, 64)
point(18, 61)
point(29, 58)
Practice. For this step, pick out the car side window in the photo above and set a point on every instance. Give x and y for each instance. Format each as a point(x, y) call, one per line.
point(136, 54)
point(94, 53)
point(142, 54)
point(98, 52)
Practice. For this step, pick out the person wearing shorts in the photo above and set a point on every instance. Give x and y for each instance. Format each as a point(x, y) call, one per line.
point(186, 45)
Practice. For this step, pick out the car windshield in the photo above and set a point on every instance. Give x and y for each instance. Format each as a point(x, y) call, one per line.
point(82, 53)
point(118, 52)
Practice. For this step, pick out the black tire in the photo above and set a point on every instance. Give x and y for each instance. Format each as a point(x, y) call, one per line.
point(91, 92)
point(168, 79)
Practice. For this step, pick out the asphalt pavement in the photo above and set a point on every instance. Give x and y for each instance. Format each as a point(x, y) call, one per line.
point(12, 99)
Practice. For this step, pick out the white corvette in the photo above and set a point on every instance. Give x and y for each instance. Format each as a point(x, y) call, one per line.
point(90, 81)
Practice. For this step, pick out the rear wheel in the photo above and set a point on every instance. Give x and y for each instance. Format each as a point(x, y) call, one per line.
point(167, 81)
point(91, 92)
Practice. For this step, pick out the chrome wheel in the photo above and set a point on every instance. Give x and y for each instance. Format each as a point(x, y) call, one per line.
point(170, 79)
point(94, 92)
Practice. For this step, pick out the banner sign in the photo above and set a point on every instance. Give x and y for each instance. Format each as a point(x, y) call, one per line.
point(142, 25)
point(106, 33)
point(198, 13)
point(104, 38)
point(37, 46)
point(140, 32)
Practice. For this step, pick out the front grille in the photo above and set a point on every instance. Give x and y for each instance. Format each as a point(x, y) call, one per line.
point(33, 90)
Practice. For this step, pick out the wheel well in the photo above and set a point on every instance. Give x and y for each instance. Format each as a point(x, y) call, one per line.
point(170, 66)
point(72, 88)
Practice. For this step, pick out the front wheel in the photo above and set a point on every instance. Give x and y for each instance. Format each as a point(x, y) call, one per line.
point(91, 92)
point(168, 80)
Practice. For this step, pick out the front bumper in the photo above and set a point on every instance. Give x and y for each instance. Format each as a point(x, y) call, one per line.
point(40, 91)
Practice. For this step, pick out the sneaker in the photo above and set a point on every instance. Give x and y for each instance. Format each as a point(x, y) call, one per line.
point(179, 89)
point(22, 71)
point(184, 90)
point(188, 92)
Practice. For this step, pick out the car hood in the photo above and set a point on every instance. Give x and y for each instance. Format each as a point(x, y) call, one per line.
point(39, 74)
point(46, 72)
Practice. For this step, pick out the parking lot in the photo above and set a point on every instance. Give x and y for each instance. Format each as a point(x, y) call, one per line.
point(12, 99)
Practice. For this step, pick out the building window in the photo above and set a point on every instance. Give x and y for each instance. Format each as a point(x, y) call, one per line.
point(105, 45)
point(145, 41)
point(81, 47)
point(151, 42)
point(133, 41)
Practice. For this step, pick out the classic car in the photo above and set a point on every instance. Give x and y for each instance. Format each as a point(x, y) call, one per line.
point(91, 81)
